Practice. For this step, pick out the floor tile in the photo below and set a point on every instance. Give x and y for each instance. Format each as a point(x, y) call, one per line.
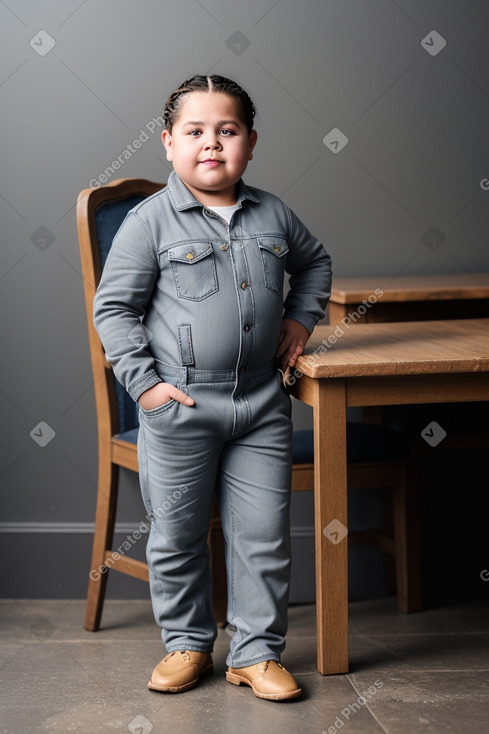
point(408, 673)
point(63, 619)
point(419, 652)
point(445, 703)
point(381, 616)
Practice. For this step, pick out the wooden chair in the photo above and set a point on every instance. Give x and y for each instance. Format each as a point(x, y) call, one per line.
point(100, 212)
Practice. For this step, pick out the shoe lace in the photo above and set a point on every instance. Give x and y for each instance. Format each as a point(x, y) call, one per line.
point(263, 667)
point(184, 653)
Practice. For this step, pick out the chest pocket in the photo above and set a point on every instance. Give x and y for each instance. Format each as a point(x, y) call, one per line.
point(194, 270)
point(273, 251)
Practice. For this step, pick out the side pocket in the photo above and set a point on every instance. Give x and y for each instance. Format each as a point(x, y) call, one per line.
point(160, 409)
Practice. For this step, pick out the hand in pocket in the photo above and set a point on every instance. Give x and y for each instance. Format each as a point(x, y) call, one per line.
point(162, 393)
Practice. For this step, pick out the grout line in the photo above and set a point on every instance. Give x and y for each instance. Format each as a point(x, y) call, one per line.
point(405, 633)
point(374, 716)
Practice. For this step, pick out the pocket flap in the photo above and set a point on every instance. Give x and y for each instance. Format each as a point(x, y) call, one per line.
point(190, 253)
point(275, 245)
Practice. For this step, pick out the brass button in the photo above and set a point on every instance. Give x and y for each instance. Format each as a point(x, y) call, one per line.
point(189, 256)
point(244, 285)
point(246, 328)
point(223, 247)
point(278, 249)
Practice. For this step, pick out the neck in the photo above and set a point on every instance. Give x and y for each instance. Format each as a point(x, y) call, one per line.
point(214, 198)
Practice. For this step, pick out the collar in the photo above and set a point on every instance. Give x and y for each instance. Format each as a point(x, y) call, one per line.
point(183, 199)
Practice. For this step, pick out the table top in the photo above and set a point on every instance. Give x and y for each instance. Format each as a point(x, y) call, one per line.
point(399, 348)
point(412, 287)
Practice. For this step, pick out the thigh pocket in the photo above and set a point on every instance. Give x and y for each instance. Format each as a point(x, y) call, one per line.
point(194, 270)
point(273, 251)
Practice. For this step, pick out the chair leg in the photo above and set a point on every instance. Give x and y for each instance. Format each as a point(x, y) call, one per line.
point(388, 530)
point(218, 566)
point(407, 539)
point(102, 539)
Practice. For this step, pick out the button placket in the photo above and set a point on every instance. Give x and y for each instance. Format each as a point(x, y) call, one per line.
point(246, 301)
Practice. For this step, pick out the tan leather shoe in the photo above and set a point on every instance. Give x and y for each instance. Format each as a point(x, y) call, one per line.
point(180, 670)
point(268, 680)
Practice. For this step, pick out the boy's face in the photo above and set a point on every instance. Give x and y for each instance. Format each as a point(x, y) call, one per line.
point(210, 146)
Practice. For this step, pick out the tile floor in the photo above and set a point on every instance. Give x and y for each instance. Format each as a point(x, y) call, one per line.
point(425, 672)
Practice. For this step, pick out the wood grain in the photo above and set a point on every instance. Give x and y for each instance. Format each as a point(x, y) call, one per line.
point(406, 348)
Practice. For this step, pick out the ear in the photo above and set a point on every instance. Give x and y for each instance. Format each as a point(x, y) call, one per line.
point(168, 143)
point(252, 138)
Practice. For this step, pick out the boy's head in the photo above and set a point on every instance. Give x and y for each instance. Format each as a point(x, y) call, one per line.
point(209, 137)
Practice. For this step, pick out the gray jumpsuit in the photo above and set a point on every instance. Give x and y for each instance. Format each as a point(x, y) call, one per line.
point(187, 298)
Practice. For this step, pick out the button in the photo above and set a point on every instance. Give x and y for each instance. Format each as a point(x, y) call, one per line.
point(244, 285)
point(223, 247)
point(189, 256)
point(246, 328)
point(278, 249)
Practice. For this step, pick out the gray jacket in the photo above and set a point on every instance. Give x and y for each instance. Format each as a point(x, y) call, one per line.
point(181, 287)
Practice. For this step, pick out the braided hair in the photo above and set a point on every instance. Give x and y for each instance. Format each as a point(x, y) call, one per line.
point(213, 83)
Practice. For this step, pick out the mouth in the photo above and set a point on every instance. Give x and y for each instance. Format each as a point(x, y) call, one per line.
point(211, 162)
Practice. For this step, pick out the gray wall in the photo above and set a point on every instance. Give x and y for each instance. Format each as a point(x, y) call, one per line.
point(416, 125)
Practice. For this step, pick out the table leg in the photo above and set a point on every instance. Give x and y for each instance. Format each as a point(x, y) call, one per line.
point(330, 503)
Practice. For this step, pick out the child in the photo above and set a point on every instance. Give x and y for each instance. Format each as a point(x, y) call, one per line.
point(190, 312)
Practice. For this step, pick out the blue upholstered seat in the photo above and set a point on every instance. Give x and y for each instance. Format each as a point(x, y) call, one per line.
point(130, 436)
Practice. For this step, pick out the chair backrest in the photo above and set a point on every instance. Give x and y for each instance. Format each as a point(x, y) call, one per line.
point(99, 213)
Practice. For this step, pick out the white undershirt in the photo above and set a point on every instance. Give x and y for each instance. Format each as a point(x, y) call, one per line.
point(226, 212)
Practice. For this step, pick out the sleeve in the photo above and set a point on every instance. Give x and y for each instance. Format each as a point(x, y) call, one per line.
point(309, 266)
point(125, 289)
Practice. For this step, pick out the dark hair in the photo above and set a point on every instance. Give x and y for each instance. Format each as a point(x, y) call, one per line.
point(213, 83)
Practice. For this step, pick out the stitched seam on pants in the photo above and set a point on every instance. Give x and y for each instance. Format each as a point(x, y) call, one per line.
point(143, 468)
point(248, 410)
point(231, 554)
point(235, 415)
point(144, 482)
point(158, 592)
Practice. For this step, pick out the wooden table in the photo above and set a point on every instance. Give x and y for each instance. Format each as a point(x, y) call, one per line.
point(411, 297)
point(372, 364)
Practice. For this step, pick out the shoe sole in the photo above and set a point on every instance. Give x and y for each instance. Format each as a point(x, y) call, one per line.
point(208, 670)
point(237, 680)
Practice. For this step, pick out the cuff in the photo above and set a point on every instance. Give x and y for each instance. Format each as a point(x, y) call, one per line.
point(303, 318)
point(143, 383)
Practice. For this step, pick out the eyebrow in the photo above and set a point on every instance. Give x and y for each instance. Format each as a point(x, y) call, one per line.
point(221, 122)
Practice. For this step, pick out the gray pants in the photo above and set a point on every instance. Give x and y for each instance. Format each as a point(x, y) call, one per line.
point(235, 441)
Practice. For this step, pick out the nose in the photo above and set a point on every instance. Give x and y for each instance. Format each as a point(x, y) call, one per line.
point(212, 142)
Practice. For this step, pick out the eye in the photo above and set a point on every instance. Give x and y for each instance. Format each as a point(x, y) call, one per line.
point(227, 132)
point(194, 133)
